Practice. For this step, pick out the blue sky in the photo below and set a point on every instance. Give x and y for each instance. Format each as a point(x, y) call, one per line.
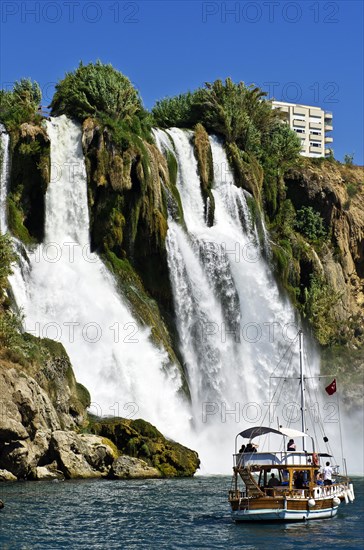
point(307, 51)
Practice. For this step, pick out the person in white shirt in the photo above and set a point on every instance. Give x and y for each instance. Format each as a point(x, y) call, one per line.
point(327, 473)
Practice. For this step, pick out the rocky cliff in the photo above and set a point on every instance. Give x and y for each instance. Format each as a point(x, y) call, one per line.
point(45, 431)
point(336, 191)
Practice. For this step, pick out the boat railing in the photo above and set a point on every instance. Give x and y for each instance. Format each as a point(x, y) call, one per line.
point(290, 458)
point(236, 494)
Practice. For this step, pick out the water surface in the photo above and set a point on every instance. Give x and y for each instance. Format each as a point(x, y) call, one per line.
point(160, 514)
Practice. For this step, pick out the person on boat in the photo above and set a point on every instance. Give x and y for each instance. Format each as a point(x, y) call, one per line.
point(273, 482)
point(249, 448)
point(327, 474)
point(291, 445)
point(319, 480)
point(298, 482)
point(242, 449)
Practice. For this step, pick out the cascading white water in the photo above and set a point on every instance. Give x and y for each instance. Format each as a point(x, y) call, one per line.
point(232, 321)
point(4, 176)
point(72, 298)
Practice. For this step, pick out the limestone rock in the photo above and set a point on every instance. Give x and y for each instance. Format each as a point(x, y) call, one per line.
point(128, 467)
point(5, 475)
point(141, 439)
point(11, 430)
point(47, 473)
point(81, 456)
point(336, 191)
point(14, 458)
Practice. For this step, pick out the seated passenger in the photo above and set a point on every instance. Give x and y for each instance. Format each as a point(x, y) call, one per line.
point(291, 445)
point(273, 482)
point(298, 482)
point(319, 480)
point(249, 448)
point(242, 449)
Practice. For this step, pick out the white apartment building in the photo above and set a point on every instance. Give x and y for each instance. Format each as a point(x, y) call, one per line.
point(311, 125)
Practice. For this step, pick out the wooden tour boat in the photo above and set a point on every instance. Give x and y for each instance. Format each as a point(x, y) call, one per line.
point(286, 485)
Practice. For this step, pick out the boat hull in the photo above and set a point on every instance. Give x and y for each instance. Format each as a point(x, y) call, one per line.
point(282, 514)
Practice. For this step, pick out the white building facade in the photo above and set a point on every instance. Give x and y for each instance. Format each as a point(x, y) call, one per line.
point(311, 125)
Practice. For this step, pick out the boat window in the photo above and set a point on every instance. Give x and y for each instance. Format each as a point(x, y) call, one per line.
point(301, 478)
point(273, 478)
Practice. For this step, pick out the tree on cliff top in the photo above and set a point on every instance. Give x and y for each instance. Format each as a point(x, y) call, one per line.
point(235, 111)
point(20, 104)
point(97, 89)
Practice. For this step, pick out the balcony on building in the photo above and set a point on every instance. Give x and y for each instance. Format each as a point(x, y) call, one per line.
point(317, 113)
point(298, 122)
point(328, 116)
point(315, 137)
point(328, 139)
point(315, 149)
point(299, 111)
point(328, 127)
point(327, 152)
point(315, 126)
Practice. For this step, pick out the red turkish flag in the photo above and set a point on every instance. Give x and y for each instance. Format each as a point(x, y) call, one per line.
point(331, 388)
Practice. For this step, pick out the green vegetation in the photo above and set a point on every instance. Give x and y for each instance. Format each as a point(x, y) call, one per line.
point(353, 188)
point(175, 111)
point(319, 309)
point(28, 184)
point(141, 439)
point(7, 257)
point(203, 154)
point(20, 104)
point(93, 89)
point(310, 224)
point(349, 159)
point(253, 133)
point(236, 112)
point(100, 91)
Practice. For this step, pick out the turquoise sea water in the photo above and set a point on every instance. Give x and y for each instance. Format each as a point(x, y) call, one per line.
point(160, 514)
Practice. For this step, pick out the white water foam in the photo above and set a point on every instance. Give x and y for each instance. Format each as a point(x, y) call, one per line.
point(71, 297)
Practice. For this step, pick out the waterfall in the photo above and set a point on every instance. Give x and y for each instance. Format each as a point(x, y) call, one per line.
point(232, 321)
point(72, 298)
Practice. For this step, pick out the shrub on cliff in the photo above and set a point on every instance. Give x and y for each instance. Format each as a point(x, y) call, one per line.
point(20, 104)
point(175, 111)
point(235, 111)
point(7, 256)
point(95, 89)
point(310, 224)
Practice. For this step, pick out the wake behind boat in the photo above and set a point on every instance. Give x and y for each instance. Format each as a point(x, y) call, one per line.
point(286, 485)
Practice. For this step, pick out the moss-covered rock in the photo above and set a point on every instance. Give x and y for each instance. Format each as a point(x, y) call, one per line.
point(30, 173)
point(203, 155)
point(142, 440)
point(247, 171)
point(130, 194)
point(336, 193)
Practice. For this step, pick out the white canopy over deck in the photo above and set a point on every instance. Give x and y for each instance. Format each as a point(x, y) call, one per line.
point(250, 433)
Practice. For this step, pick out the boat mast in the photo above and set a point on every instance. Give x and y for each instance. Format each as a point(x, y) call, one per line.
point(303, 423)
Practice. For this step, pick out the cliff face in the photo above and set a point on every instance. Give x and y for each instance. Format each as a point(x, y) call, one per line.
point(45, 431)
point(337, 192)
